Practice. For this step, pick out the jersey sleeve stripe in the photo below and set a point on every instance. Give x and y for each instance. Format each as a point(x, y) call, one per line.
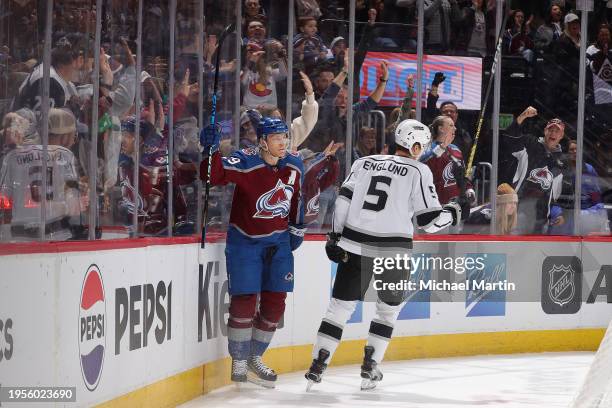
point(247, 170)
point(424, 219)
point(346, 192)
point(363, 238)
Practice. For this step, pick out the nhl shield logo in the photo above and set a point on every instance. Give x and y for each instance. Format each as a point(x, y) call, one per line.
point(561, 291)
point(561, 288)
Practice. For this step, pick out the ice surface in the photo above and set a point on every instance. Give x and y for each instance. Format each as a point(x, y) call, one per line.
point(514, 381)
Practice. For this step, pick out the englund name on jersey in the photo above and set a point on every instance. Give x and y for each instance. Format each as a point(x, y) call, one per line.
point(391, 167)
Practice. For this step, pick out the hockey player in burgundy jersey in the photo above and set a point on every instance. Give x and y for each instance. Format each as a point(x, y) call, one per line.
point(444, 159)
point(265, 227)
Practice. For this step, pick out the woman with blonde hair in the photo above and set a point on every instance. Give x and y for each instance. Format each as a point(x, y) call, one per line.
point(505, 215)
point(507, 202)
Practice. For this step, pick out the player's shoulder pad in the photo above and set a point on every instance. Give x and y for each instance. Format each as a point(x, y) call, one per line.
point(418, 164)
point(239, 159)
point(455, 151)
point(424, 169)
point(249, 151)
point(293, 159)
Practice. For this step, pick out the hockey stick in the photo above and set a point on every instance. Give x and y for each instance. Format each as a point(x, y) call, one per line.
point(498, 51)
point(213, 118)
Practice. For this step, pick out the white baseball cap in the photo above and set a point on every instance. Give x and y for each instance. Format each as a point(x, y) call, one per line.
point(571, 17)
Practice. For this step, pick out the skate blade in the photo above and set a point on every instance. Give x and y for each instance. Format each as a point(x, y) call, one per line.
point(367, 384)
point(309, 385)
point(253, 378)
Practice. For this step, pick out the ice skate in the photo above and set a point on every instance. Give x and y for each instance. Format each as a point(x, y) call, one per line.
point(317, 368)
point(239, 372)
point(370, 373)
point(259, 373)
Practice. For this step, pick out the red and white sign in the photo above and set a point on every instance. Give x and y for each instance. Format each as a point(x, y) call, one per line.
point(463, 84)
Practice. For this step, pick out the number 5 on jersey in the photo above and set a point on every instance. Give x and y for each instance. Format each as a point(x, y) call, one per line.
point(381, 196)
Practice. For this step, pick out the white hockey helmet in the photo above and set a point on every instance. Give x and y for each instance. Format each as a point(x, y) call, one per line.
point(411, 131)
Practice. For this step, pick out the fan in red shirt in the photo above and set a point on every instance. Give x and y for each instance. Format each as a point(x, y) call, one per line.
point(446, 162)
point(322, 170)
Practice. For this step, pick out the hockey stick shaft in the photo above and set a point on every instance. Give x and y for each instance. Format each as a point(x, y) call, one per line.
point(213, 119)
point(483, 110)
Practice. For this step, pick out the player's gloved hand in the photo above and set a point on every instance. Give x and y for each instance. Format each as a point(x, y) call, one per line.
point(464, 203)
point(454, 208)
point(334, 252)
point(210, 138)
point(296, 236)
point(471, 196)
point(438, 79)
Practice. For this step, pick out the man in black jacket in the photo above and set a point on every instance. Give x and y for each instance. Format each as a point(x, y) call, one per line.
point(538, 175)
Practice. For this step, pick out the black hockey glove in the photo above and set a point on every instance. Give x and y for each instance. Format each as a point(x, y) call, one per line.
point(438, 79)
point(464, 203)
point(334, 252)
point(459, 209)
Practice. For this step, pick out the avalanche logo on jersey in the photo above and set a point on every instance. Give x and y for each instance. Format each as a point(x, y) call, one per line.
point(448, 175)
point(275, 203)
point(312, 207)
point(541, 176)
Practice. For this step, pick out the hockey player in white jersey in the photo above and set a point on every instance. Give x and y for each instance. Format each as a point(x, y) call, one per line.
point(373, 216)
point(21, 183)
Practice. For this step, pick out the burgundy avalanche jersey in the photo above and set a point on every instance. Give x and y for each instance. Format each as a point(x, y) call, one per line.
point(322, 173)
point(442, 165)
point(266, 199)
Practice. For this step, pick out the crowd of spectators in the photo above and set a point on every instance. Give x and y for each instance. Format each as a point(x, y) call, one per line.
point(135, 176)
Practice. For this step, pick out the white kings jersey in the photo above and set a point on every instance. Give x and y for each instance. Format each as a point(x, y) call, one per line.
point(378, 200)
point(21, 182)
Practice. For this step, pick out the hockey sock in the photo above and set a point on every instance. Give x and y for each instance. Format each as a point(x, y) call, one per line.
point(381, 329)
point(240, 325)
point(332, 325)
point(271, 309)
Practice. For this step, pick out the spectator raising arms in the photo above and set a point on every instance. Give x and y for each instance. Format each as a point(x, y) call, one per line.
point(517, 38)
point(538, 174)
point(259, 77)
point(445, 160)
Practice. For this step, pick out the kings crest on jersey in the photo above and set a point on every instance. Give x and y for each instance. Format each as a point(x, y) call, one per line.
point(266, 198)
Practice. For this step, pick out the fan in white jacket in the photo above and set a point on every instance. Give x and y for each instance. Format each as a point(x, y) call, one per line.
point(303, 124)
